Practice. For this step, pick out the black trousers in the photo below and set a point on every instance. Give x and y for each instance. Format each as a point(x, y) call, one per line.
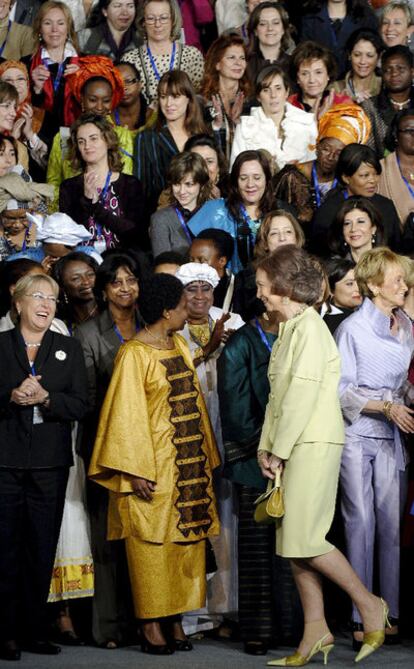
point(31, 509)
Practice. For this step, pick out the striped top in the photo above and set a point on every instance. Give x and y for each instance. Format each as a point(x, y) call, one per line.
point(374, 367)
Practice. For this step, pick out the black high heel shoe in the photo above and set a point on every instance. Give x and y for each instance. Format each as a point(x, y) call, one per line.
point(155, 649)
point(356, 627)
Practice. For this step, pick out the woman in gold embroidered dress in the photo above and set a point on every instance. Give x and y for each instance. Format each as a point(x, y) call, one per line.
point(155, 452)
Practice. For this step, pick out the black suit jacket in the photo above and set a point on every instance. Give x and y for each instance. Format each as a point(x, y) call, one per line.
point(26, 10)
point(60, 362)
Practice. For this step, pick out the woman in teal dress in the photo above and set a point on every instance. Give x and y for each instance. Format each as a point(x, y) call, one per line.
point(265, 580)
point(241, 213)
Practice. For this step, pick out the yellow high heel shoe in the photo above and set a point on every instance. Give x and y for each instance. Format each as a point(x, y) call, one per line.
point(374, 640)
point(298, 660)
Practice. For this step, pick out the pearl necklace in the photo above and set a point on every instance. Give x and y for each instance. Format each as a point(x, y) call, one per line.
point(29, 345)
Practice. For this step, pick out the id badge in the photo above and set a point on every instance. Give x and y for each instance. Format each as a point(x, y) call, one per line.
point(100, 244)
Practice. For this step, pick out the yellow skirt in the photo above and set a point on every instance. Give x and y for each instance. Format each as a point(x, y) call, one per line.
point(310, 483)
point(166, 579)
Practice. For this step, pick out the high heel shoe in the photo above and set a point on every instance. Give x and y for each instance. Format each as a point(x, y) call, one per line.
point(356, 643)
point(155, 649)
point(374, 640)
point(298, 660)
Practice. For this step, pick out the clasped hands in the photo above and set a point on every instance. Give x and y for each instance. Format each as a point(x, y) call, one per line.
point(29, 392)
point(41, 74)
point(269, 464)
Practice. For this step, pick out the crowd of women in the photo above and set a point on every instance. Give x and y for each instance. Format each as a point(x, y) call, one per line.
point(206, 284)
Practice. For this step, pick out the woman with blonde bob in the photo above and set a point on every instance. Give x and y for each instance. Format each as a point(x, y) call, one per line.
point(189, 188)
point(376, 346)
point(306, 446)
point(43, 388)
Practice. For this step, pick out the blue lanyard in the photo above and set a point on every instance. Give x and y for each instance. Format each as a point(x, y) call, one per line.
point(126, 153)
point(33, 368)
point(26, 235)
point(410, 188)
point(118, 334)
point(102, 197)
point(316, 186)
point(262, 335)
point(46, 62)
point(153, 65)
point(117, 117)
point(183, 225)
point(7, 34)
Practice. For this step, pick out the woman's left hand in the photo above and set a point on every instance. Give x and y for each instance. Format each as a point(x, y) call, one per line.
point(269, 463)
point(71, 69)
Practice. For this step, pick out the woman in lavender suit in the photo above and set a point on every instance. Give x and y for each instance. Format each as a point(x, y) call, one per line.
point(376, 345)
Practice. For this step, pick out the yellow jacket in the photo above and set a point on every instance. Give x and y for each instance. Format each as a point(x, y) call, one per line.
point(304, 372)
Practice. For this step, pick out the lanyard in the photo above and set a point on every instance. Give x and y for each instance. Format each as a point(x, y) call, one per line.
point(316, 186)
point(102, 197)
point(33, 368)
point(118, 334)
point(410, 188)
point(183, 225)
point(153, 65)
point(262, 335)
point(26, 236)
point(117, 117)
point(7, 34)
point(46, 62)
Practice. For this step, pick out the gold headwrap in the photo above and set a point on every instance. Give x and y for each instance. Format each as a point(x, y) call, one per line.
point(346, 122)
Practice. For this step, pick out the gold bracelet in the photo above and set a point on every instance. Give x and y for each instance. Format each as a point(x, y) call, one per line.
point(386, 410)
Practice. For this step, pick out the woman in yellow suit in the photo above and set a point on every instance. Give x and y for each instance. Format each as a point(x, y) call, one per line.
point(303, 435)
point(155, 452)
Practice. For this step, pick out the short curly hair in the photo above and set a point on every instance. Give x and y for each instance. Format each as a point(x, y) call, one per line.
point(159, 292)
point(293, 273)
point(372, 266)
point(308, 51)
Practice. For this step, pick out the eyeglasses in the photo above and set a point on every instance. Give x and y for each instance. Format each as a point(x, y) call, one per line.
point(407, 131)
point(152, 20)
point(130, 82)
point(39, 297)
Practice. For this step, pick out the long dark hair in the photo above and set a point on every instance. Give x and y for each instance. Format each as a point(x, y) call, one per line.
point(234, 200)
point(177, 82)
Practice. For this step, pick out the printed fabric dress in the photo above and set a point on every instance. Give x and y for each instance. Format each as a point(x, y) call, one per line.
point(154, 425)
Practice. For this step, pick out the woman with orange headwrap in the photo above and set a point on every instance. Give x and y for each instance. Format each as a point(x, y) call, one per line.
point(306, 185)
point(97, 87)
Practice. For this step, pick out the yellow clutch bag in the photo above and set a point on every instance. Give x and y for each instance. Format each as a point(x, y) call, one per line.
point(270, 505)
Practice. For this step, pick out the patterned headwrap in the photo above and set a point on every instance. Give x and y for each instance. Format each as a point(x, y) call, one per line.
point(96, 66)
point(346, 122)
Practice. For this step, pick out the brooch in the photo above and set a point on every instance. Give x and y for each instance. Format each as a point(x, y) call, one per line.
point(60, 355)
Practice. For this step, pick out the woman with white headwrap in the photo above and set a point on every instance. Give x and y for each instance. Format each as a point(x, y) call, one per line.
point(206, 331)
